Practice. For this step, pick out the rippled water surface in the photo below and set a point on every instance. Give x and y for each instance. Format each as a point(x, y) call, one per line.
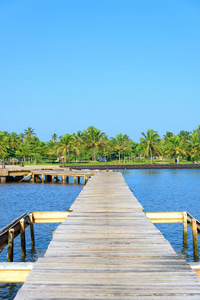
point(157, 190)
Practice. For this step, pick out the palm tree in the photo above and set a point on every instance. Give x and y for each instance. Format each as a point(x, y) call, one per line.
point(120, 143)
point(150, 143)
point(93, 138)
point(194, 145)
point(29, 133)
point(14, 140)
point(54, 137)
point(65, 145)
point(4, 144)
point(78, 146)
point(175, 147)
point(168, 135)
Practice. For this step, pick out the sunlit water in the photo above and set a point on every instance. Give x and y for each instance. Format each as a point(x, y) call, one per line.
point(156, 190)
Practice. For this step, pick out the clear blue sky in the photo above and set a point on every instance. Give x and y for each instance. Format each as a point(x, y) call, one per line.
point(121, 66)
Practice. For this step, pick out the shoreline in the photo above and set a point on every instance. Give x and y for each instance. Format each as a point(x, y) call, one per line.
point(129, 167)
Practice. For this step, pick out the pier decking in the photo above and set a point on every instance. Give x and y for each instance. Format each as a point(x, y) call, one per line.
point(42, 174)
point(108, 249)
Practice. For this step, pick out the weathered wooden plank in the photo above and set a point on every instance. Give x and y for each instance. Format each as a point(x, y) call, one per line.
point(107, 248)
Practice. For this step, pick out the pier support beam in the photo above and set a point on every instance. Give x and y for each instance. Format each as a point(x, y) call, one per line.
point(10, 245)
point(52, 178)
point(184, 227)
point(3, 179)
point(32, 178)
point(23, 240)
point(195, 239)
point(32, 230)
point(64, 179)
point(74, 179)
point(42, 178)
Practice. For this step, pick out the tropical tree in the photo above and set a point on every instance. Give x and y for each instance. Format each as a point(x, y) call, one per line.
point(194, 145)
point(150, 143)
point(54, 137)
point(4, 144)
point(121, 143)
point(93, 139)
point(168, 135)
point(14, 140)
point(184, 135)
point(175, 147)
point(65, 145)
point(23, 151)
point(29, 133)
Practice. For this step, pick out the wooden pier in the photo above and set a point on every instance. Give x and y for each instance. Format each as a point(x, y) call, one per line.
point(43, 174)
point(107, 248)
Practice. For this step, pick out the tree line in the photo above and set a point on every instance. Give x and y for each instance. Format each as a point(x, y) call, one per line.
point(93, 144)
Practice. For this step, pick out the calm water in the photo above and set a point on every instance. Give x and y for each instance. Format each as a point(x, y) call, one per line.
point(157, 190)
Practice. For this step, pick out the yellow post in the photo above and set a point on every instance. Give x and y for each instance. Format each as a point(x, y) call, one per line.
point(52, 178)
point(74, 179)
point(64, 179)
point(195, 239)
point(32, 230)
point(23, 240)
point(10, 245)
point(42, 178)
point(184, 227)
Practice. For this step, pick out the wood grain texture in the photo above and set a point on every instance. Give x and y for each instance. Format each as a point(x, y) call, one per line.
point(107, 248)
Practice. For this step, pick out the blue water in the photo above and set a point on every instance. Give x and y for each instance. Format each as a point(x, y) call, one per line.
point(156, 190)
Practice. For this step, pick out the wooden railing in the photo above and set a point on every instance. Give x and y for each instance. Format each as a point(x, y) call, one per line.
point(17, 226)
point(179, 217)
point(15, 271)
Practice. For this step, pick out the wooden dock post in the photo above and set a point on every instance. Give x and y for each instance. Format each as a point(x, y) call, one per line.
point(3, 179)
point(23, 240)
point(74, 179)
point(52, 178)
point(195, 239)
point(64, 179)
point(10, 245)
point(43, 178)
point(184, 227)
point(32, 178)
point(32, 230)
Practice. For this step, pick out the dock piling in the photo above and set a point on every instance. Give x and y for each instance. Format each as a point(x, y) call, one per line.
point(23, 240)
point(184, 227)
point(10, 245)
point(32, 230)
point(195, 239)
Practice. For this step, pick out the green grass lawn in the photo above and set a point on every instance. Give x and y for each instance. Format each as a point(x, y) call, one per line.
point(113, 162)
